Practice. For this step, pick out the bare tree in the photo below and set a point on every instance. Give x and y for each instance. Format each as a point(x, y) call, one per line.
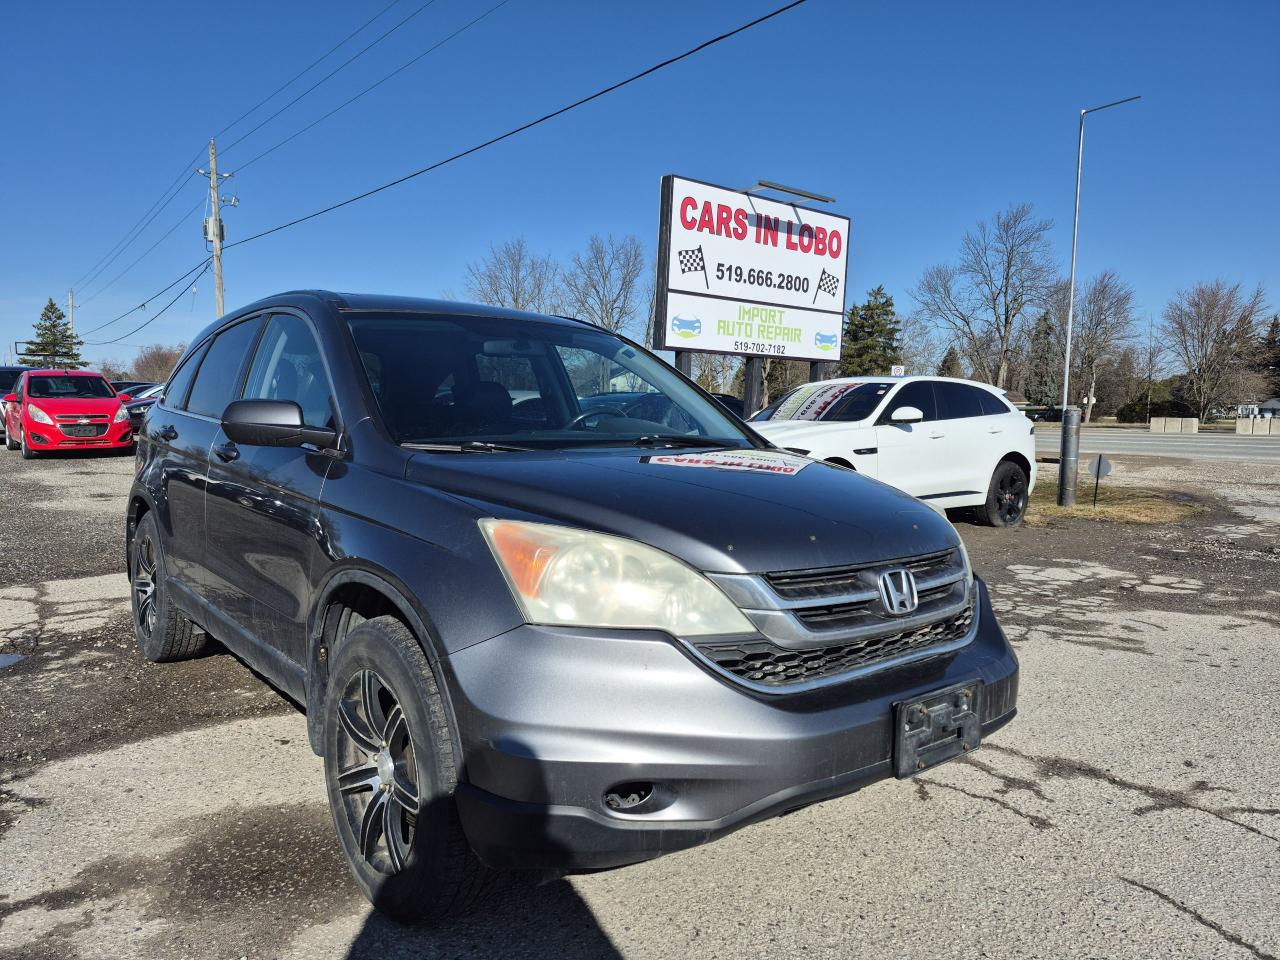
point(1102, 326)
point(114, 369)
point(1004, 271)
point(156, 362)
point(921, 347)
point(1212, 329)
point(512, 276)
point(603, 284)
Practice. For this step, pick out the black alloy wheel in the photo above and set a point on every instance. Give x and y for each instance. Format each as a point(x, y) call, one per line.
point(377, 775)
point(1007, 496)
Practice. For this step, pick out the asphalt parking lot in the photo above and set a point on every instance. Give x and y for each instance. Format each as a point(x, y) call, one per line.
point(1132, 810)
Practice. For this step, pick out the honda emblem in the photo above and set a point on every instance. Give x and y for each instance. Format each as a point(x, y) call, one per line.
point(898, 592)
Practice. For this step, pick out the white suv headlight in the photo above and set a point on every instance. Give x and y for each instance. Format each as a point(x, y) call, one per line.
point(121, 414)
point(38, 415)
point(568, 577)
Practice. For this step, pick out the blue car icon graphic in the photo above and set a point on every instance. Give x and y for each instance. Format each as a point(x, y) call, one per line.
point(825, 341)
point(686, 328)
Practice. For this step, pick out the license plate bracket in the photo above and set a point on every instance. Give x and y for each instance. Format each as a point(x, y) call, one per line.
point(935, 728)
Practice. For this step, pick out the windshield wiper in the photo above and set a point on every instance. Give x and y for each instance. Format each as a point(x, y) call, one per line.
point(470, 446)
point(677, 440)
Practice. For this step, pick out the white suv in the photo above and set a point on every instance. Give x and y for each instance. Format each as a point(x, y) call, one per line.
point(953, 443)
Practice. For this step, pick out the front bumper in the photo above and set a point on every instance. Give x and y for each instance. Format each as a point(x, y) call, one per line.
point(42, 436)
point(551, 720)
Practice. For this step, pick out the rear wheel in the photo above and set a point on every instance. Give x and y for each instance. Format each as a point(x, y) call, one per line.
point(9, 442)
point(390, 774)
point(163, 633)
point(1006, 497)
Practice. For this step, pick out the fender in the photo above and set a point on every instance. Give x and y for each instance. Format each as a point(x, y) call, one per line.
point(317, 669)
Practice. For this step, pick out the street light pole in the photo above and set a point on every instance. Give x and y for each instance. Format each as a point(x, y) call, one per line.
point(1070, 452)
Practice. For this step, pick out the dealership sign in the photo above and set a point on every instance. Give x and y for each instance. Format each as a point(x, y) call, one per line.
point(741, 274)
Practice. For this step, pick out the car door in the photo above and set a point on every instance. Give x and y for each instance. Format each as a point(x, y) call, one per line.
point(179, 443)
point(262, 505)
point(966, 441)
point(189, 433)
point(910, 454)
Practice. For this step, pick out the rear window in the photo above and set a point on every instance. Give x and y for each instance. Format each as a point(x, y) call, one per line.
point(7, 379)
point(56, 387)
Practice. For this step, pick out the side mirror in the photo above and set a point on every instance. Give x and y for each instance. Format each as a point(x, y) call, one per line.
point(907, 415)
point(10, 398)
point(272, 423)
point(123, 397)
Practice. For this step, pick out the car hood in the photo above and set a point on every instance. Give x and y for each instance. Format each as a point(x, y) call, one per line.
point(65, 405)
point(789, 432)
point(739, 511)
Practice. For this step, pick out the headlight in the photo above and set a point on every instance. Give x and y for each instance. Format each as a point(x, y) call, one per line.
point(968, 567)
point(568, 577)
point(121, 414)
point(38, 415)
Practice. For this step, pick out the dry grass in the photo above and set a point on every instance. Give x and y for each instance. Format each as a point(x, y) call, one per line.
point(1118, 504)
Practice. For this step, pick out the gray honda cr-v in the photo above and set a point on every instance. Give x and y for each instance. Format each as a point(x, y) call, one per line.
point(536, 628)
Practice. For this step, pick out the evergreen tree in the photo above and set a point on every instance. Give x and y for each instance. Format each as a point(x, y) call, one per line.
point(54, 343)
point(1044, 363)
point(951, 365)
point(1269, 357)
point(872, 337)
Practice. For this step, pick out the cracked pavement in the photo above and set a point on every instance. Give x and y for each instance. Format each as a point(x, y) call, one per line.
point(1132, 809)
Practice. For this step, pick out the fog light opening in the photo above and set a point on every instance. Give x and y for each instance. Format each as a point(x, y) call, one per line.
point(626, 797)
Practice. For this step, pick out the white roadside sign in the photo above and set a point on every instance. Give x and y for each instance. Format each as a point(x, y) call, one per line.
point(741, 274)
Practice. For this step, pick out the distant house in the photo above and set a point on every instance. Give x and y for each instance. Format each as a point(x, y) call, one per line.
point(1270, 408)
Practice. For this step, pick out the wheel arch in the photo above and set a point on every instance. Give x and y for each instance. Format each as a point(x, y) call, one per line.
point(1014, 456)
point(347, 597)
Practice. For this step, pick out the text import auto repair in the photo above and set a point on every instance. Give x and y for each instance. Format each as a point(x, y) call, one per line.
point(749, 275)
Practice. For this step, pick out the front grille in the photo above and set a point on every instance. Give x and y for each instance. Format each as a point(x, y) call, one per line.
point(74, 417)
point(833, 581)
point(762, 662)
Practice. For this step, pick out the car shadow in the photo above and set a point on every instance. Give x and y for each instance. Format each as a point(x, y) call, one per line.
point(550, 921)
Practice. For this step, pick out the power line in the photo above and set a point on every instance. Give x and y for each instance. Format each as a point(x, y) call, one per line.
point(339, 68)
point(166, 198)
point(155, 316)
point(371, 88)
point(204, 264)
point(521, 129)
point(158, 293)
point(164, 236)
point(314, 63)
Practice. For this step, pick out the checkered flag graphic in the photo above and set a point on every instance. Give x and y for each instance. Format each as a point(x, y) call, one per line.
point(692, 261)
point(827, 283)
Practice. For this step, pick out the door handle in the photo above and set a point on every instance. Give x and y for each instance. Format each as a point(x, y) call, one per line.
point(997, 430)
point(227, 452)
point(167, 432)
point(936, 436)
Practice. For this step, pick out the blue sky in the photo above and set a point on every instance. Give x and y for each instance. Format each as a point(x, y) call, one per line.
point(919, 118)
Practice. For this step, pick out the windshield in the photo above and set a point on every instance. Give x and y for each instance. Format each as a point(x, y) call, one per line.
point(457, 380)
point(57, 387)
point(827, 401)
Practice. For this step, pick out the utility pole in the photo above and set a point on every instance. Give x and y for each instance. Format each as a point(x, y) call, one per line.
point(71, 309)
point(215, 226)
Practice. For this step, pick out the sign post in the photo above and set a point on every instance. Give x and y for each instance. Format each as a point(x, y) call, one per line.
point(1099, 467)
point(746, 275)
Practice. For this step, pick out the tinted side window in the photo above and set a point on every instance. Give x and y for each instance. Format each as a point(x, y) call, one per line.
point(287, 366)
point(955, 400)
point(218, 379)
point(918, 393)
point(175, 394)
point(991, 404)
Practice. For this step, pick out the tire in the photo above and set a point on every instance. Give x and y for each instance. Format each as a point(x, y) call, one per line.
point(389, 763)
point(9, 442)
point(1006, 503)
point(27, 452)
point(162, 632)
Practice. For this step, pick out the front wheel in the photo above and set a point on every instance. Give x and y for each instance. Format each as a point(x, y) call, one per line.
point(1006, 503)
point(390, 774)
point(27, 452)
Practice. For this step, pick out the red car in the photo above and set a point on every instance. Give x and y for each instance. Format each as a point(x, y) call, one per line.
point(65, 410)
